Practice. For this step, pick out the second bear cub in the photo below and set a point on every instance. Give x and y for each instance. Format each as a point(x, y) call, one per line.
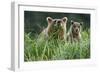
point(74, 33)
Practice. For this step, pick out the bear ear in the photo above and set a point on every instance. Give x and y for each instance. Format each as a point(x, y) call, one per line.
point(81, 23)
point(72, 22)
point(49, 19)
point(64, 19)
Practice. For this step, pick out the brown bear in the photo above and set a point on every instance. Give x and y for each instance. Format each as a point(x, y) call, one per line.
point(56, 28)
point(74, 34)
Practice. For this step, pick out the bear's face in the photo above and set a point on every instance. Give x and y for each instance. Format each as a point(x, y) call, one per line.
point(56, 27)
point(56, 24)
point(76, 27)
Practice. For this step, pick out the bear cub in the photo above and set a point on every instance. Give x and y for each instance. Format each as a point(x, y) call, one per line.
point(74, 34)
point(56, 28)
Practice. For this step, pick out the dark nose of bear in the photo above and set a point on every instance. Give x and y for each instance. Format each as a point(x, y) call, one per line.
point(76, 30)
point(59, 22)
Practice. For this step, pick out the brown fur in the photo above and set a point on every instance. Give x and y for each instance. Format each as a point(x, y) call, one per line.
point(74, 33)
point(56, 28)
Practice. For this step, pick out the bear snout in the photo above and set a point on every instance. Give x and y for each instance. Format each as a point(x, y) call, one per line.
point(59, 22)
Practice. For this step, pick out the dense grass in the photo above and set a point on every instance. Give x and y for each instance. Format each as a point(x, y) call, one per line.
point(40, 49)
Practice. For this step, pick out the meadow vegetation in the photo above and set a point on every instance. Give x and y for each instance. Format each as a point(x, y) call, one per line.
point(39, 49)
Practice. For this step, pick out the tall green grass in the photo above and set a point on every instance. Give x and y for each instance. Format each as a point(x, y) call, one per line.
point(40, 49)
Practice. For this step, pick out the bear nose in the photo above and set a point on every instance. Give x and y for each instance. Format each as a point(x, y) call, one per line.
point(76, 30)
point(59, 22)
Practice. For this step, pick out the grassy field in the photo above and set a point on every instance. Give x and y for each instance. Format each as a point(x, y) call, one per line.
point(39, 49)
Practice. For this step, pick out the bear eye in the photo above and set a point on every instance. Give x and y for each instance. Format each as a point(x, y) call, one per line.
point(54, 21)
point(78, 26)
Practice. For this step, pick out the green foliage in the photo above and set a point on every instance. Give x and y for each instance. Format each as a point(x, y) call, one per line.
point(55, 49)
